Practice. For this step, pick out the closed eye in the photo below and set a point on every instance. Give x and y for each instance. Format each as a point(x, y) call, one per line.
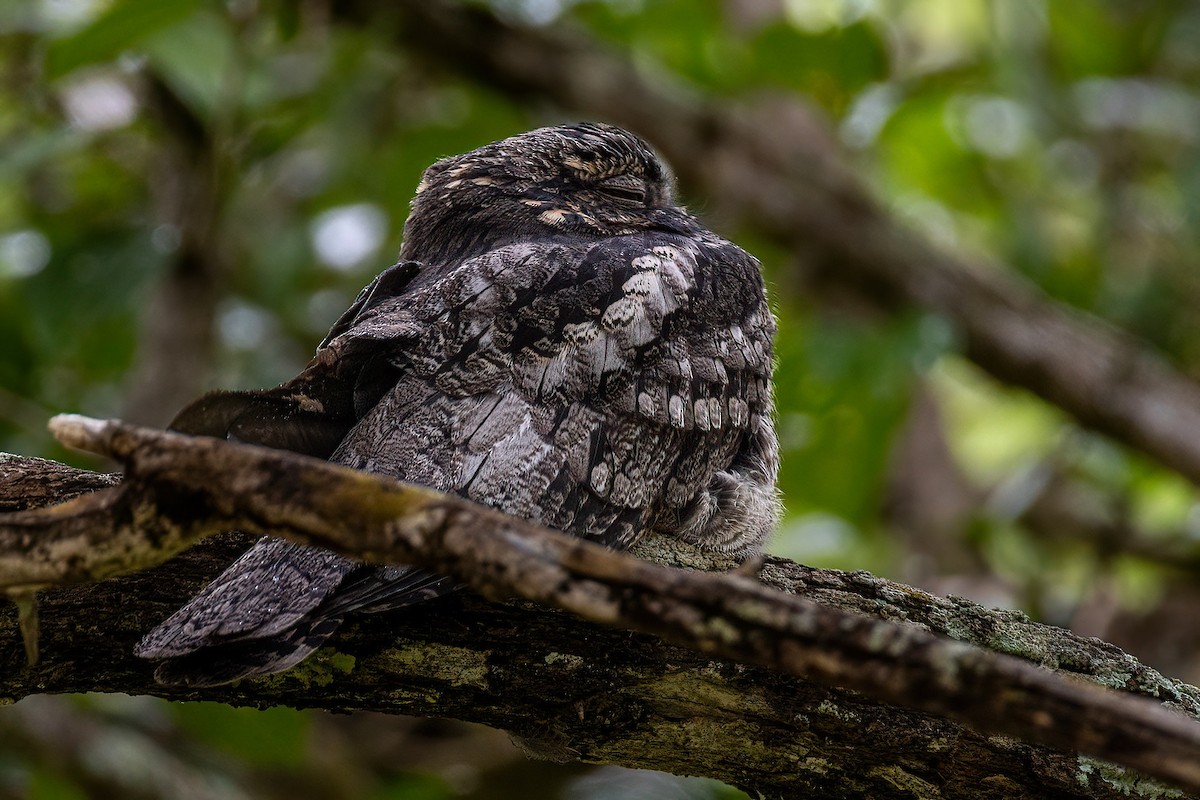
point(626, 188)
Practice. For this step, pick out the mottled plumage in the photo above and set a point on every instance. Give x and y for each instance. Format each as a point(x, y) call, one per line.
point(560, 342)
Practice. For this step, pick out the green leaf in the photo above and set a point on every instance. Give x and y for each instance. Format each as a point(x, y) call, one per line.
point(830, 66)
point(125, 25)
point(44, 784)
point(841, 392)
point(276, 737)
point(414, 787)
point(196, 60)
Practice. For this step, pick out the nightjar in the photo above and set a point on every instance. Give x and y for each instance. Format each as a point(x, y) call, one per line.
point(559, 341)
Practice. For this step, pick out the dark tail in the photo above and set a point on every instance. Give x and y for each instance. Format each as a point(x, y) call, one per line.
point(213, 665)
point(273, 607)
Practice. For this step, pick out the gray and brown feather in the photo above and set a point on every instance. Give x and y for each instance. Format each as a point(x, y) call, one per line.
point(560, 341)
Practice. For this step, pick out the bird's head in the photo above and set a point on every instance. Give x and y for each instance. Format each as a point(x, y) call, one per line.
point(589, 179)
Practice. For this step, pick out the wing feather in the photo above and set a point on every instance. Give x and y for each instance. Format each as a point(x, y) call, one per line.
point(607, 362)
point(599, 387)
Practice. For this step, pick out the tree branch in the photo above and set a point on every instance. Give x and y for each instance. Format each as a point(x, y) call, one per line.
point(176, 342)
point(178, 489)
point(776, 173)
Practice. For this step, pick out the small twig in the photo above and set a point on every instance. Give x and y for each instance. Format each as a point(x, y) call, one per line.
point(27, 620)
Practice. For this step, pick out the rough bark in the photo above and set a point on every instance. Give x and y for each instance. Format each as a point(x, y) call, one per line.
point(575, 690)
point(775, 170)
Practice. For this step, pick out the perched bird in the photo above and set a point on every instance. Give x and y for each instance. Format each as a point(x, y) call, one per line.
point(560, 341)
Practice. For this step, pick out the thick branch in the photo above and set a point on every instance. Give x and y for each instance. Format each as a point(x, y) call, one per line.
point(179, 488)
point(779, 175)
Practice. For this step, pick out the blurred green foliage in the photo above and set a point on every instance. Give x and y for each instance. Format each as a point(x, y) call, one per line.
point(271, 737)
point(1054, 139)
